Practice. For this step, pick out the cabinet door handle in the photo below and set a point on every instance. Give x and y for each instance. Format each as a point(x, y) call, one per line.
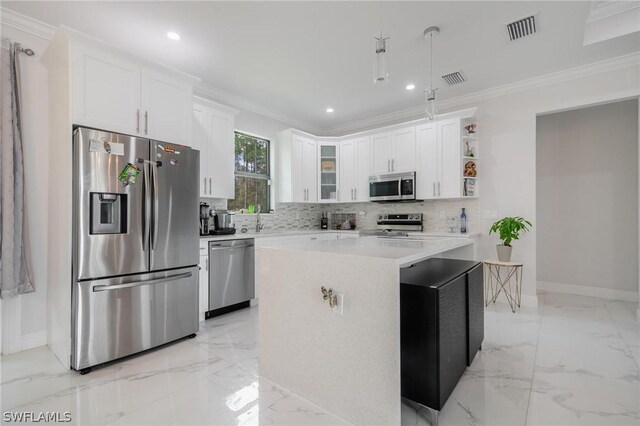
point(206, 265)
point(438, 189)
point(137, 121)
point(355, 194)
point(210, 188)
point(352, 196)
point(388, 165)
point(393, 165)
point(146, 122)
point(434, 189)
point(204, 182)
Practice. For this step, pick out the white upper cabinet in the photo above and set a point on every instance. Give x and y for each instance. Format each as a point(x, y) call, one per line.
point(296, 168)
point(428, 161)
point(166, 107)
point(450, 152)
point(347, 171)
point(114, 91)
point(106, 91)
point(394, 151)
point(404, 150)
point(309, 167)
point(439, 159)
point(363, 168)
point(200, 143)
point(431, 149)
point(214, 136)
point(328, 172)
point(381, 153)
point(354, 169)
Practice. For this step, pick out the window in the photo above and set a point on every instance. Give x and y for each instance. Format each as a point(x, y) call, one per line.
point(252, 173)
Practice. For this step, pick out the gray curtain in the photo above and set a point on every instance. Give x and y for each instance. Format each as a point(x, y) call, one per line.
point(15, 265)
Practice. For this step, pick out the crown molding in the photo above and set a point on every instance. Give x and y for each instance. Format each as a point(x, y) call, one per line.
point(605, 9)
point(27, 24)
point(632, 59)
point(207, 91)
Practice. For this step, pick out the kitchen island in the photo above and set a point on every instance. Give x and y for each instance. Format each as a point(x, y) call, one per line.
point(345, 359)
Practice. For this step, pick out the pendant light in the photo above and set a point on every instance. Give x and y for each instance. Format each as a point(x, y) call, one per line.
point(430, 109)
point(381, 59)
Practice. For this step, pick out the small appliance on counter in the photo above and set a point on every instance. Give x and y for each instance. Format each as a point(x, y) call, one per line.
point(343, 221)
point(324, 221)
point(223, 223)
point(205, 219)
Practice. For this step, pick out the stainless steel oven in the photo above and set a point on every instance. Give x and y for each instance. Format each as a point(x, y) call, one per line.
point(393, 187)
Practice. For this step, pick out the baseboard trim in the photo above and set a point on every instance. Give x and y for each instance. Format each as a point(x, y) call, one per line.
point(33, 340)
point(582, 290)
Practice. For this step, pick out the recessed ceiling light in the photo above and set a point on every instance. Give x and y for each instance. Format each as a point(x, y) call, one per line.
point(329, 110)
point(173, 35)
point(410, 86)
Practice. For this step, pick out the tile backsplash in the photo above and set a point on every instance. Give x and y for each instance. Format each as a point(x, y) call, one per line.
point(296, 216)
point(431, 210)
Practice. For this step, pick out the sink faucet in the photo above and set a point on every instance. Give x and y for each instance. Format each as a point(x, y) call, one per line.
point(259, 224)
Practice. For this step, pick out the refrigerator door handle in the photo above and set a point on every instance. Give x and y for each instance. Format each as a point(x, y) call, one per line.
point(141, 283)
point(146, 217)
point(156, 207)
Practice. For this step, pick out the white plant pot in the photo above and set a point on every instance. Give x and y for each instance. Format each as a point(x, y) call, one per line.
point(504, 253)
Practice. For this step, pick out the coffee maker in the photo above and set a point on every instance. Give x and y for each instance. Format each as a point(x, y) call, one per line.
point(205, 219)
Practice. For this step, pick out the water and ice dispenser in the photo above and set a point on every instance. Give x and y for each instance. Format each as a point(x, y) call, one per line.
point(108, 213)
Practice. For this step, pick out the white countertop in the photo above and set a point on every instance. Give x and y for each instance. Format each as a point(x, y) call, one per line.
point(292, 233)
point(273, 234)
point(405, 251)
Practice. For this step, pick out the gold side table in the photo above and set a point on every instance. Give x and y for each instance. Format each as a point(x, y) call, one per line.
point(498, 277)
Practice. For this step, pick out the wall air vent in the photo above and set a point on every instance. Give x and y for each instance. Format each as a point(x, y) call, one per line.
point(453, 78)
point(522, 27)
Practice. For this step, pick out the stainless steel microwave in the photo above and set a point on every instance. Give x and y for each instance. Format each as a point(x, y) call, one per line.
point(393, 187)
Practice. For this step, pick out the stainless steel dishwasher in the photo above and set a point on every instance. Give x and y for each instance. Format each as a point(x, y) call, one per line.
point(231, 275)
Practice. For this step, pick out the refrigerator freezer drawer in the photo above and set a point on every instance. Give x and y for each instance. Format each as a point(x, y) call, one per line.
point(117, 317)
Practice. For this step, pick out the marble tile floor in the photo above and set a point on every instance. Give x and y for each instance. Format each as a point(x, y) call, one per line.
point(574, 360)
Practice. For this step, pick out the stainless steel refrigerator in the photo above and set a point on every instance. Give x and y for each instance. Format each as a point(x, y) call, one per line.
point(135, 254)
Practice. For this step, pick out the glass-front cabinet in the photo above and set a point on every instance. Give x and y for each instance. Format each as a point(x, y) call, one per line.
point(328, 172)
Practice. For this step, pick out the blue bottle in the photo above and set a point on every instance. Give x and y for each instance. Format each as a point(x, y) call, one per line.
point(463, 222)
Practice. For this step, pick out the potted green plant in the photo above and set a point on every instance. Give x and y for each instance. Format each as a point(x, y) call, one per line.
point(509, 229)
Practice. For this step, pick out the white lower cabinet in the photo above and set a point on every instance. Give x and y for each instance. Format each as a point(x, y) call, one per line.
point(203, 280)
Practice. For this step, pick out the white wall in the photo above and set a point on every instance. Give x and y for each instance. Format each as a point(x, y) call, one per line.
point(36, 153)
point(260, 125)
point(587, 198)
point(507, 129)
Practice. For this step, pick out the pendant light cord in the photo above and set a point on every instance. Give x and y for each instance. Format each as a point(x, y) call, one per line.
point(431, 62)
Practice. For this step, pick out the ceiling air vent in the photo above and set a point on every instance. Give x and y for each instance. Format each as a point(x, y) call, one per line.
point(522, 27)
point(453, 78)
